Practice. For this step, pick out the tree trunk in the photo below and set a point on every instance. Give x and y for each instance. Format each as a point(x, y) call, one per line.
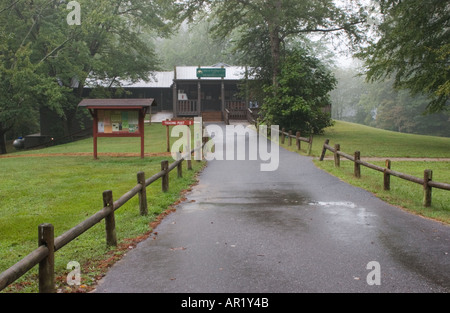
point(275, 44)
point(273, 23)
point(2, 140)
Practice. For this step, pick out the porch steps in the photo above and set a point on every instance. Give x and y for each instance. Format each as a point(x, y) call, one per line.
point(212, 116)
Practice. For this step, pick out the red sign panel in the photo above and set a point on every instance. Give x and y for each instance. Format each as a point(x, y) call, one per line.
point(181, 122)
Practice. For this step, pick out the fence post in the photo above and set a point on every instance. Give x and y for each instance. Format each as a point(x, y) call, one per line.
point(165, 178)
point(290, 138)
point(297, 138)
point(110, 220)
point(179, 166)
point(143, 208)
point(47, 266)
point(337, 159)
point(310, 144)
point(357, 168)
point(167, 137)
point(387, 177)
point(324, 149)
point(427, 176)
point(282, 135)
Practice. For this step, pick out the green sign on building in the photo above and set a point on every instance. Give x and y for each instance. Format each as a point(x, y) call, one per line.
point(211, 72)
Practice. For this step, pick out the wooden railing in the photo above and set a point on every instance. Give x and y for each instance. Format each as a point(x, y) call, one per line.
point(235, 105)
point(237, 110)
point(298, 139)
point(426, 181)
point(44, 255)
point(187, 107)
point(226, 117)
point(251, 117)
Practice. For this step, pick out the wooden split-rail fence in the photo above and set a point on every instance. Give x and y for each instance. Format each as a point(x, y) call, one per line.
point(298, 139)
point(427, 180)
point(44, 255)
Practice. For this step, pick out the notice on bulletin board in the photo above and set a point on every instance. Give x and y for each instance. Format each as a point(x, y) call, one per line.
point(115, 121)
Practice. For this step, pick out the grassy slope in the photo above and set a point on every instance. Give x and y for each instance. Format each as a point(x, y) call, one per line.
point(373, 142)
point(65, 190)
point(155, 141)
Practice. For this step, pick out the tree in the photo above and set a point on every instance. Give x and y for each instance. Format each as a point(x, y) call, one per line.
point(52, 57)
point(22, 83)
point(279, 20)
point(413, 48)
point(269, 34)
point(302, 94)
point(193, 44)
point(349, 89)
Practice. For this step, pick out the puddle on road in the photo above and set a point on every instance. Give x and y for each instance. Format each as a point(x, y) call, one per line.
point(350, 205)
point(346, 210)
point(265, 198)
point(279, 197)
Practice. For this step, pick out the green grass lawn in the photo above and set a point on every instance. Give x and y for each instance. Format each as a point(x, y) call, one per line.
point(373, 142)
point(403, 193)
point(65, 190)
point(155, 142)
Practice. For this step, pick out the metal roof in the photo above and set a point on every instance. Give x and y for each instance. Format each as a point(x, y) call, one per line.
point(165, 79)
point(157, 80)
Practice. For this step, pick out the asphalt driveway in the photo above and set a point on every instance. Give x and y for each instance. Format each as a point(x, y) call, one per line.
point(294, 230)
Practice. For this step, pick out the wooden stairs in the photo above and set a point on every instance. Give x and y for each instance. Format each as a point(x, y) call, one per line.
point(213, 116)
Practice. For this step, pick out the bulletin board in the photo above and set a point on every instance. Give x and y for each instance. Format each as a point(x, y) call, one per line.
point(118, 122)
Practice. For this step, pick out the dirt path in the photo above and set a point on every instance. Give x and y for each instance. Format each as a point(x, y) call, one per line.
point(397, 159)
point(112, 154)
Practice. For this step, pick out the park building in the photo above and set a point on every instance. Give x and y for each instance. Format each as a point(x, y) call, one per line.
point(193, 91)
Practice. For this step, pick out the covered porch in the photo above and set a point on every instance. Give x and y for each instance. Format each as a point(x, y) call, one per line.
point(207, 97)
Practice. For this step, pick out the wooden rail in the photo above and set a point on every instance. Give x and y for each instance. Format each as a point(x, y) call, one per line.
point(187, 107)
point(426, 181)
point(298, 139)
point(48, 245)
point(251, 117)
point(226, 117)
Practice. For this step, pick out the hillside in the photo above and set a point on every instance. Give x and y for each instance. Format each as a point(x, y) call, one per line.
point(374, 142)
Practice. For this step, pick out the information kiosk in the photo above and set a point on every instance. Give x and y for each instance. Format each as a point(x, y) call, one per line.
point(118, 118)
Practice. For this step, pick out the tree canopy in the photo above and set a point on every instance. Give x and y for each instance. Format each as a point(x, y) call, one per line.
point(278, 21)
point(42, 57)
point(302, 94)
point(414, 49)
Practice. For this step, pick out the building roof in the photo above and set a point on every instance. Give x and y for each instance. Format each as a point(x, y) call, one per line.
point(165, 79)
point(157, 80)
point(117, 103)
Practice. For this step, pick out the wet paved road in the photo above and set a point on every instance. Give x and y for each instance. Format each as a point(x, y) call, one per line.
point(296, 229)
